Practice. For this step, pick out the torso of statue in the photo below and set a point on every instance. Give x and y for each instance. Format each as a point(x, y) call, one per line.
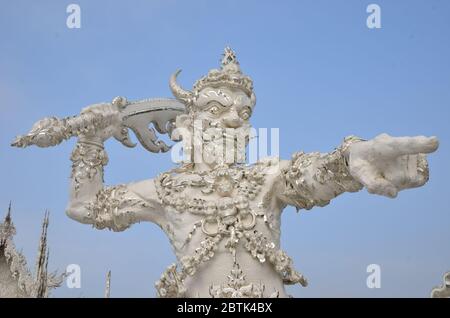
point(224, 226)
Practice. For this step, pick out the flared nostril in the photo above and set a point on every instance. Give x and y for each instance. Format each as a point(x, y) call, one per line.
point(232, 122)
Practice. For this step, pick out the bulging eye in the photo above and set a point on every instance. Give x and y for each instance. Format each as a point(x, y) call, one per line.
point(245, 114)
point(214, 108)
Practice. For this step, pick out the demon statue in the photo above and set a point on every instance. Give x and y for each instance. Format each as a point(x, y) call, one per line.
point(221, 215)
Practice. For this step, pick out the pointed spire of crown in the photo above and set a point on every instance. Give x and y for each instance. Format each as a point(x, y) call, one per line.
point(229, 75)
point(229, 57)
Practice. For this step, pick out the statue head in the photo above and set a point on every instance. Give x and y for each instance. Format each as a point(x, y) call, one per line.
point(224, 96)
point(223, 99)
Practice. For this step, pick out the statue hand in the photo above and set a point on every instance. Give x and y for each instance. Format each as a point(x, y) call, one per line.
point(106, 120)
point(386, 165)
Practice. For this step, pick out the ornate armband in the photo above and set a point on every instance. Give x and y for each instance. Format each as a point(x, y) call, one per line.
point(88, 159)
point(307, 173)
point(114, 208)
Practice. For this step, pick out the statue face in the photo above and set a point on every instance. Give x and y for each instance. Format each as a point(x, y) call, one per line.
point(223, 107)
point(219, 128)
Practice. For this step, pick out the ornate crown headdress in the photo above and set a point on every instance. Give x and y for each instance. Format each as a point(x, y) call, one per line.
point(229, 75)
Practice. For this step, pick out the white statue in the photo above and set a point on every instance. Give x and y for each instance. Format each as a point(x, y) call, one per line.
point(222, 217)
point(444, 290)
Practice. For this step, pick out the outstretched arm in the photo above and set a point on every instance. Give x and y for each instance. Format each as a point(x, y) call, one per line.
point(384, 165)
point(115, 207)
point(313, 179)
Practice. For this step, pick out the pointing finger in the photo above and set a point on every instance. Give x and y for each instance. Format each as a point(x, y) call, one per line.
point(398, 146)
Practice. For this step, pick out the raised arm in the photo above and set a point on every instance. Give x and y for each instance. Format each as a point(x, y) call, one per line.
point(114, 207)
point(384, 165)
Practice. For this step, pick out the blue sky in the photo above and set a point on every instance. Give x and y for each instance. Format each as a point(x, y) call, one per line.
point(319, 73)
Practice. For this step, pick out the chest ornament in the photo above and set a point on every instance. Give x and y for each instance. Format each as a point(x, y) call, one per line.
point(224, 199)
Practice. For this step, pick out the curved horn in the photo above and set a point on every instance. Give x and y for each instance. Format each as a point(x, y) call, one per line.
point(178, 92)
